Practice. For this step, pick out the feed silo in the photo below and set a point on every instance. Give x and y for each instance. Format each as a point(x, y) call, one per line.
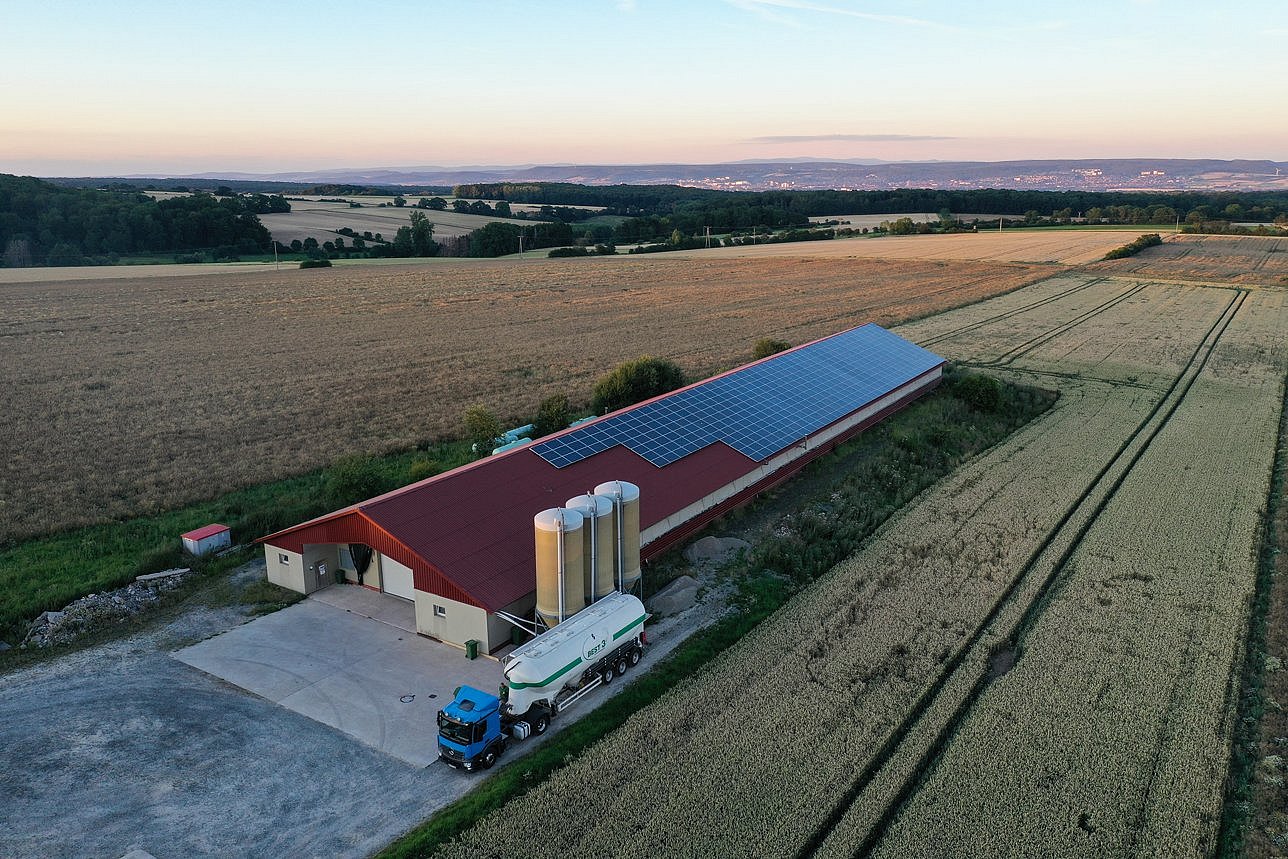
point(599, 544)
point(561, 575)
point(626, 513)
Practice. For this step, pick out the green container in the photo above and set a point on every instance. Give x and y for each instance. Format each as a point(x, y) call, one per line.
point(472, 649)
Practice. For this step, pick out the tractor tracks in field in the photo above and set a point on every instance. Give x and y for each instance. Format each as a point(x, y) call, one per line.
point(1026, 593)
point(948, 335)
point(1009, 357)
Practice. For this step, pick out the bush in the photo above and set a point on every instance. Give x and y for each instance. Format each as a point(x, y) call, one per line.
point(315, 263)
point(767, 346)
point(634, 382)
point(568, 252)
point(422, 467)
point(553, 415)
point(482, 429)
point(352, 479)
point(1148, 240)
point(981, 393)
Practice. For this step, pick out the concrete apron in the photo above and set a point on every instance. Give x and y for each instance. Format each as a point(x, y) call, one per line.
point(367, 676)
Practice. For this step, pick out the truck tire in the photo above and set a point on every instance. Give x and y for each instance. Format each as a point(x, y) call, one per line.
point(540, 724)
point(620, 667)
point(488, 757)
point(635, 656)
point(606, 675)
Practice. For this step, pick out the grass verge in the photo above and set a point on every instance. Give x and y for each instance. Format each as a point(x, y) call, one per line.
point(46, 573)
point(852, 491)
point(1253, 822)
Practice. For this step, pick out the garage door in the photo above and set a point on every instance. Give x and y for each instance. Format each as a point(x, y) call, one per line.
point(396, 578)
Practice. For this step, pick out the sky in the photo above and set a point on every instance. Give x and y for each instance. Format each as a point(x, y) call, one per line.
point(171, 88)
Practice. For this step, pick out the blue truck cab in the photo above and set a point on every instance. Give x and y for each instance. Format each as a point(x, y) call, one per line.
point(469, 730)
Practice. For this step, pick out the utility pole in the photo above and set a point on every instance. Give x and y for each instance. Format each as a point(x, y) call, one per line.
point(276, 263)
point(520, 245)
point(708, 234)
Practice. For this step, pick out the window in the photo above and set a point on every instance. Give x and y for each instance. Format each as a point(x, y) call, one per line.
point(439, 611)
point(283, 558)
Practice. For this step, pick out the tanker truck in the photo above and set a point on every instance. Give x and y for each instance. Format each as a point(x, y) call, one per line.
point(543, 678)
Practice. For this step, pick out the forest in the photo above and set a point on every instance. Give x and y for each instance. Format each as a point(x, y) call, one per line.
point(44, 224)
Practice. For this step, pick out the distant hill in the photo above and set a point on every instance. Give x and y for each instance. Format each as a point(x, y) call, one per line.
point(1147, 174)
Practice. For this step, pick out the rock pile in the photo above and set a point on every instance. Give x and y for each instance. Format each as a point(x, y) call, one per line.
point(97, 610)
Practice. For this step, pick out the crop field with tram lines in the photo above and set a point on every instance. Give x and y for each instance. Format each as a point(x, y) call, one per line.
point(1223, 259)
point(1040, 654)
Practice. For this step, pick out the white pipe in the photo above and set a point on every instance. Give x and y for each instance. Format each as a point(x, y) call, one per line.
point(619, 506)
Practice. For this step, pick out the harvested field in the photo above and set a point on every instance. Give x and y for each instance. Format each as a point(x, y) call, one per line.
point(1033, 658)
point(1069, 247)
point(128, 396)
point(321, 220)
point(1223, 259)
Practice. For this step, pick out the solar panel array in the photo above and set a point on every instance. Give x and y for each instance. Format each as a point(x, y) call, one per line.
point(758, 410)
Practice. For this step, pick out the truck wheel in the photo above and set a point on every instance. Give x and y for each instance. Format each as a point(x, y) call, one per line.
point(606, 675)
point(540, 724)
point(635, 656)
point(488, 758)
point(620, 667)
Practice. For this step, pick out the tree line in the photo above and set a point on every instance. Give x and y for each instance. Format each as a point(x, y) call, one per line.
point(44, 224)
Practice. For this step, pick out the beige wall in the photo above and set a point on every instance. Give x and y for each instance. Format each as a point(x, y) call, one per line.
point(458, 623)
point(288, 575)
point(296, 572)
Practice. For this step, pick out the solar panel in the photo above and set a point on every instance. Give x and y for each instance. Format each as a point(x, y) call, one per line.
point(758, 410)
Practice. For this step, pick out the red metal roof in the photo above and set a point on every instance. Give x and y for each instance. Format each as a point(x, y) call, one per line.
point(467, 533)
point(205, 531)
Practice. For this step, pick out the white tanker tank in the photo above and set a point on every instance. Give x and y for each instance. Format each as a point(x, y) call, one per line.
point(556, 668)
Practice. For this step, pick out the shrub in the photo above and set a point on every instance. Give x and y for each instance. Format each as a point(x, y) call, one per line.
point(1148, 240)
point(981, 393)
point(422, 467)
point(634, 382)
point(352, 479)
point(482, 428)
point(568, 252)
point(767, 346)
point(315, 263)
point(552, 416)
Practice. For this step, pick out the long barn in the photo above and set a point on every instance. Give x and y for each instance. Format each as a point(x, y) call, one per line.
point(460, 545)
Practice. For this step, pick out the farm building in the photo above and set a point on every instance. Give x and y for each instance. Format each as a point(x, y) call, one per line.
point(206, 539)
point(460, 544)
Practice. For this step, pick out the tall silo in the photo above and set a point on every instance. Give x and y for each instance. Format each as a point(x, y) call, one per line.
point(626, 511)
point(599, 543)
point(561, 575)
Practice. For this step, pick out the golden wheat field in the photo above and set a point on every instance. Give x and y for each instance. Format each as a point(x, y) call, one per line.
point(124, 396)
point(1068, 247)
point(1035, 657)
point(1225, 259)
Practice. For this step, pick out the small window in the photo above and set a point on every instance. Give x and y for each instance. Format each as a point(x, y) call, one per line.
point(283, 558)
point(439, 611)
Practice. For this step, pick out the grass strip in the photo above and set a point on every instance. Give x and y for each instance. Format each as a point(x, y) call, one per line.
point(869, 478)
point(46, 573)
point(1241, 795)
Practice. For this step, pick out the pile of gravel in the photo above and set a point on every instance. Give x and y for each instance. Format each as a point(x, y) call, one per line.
point(97, 610)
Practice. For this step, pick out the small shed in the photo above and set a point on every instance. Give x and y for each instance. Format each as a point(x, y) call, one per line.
point(207, 539)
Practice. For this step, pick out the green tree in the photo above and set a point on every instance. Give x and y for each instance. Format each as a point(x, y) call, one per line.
point(400, 200)
point(482, 428)
point(552, 416)
point(502, 209)
point(634, 382)
point(352, 479)
point(437, 203)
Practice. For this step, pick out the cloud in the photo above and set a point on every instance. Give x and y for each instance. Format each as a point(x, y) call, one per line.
point(848, 138)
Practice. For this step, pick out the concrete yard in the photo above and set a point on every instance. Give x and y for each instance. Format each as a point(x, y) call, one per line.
point(121, 746)
point(349, 658)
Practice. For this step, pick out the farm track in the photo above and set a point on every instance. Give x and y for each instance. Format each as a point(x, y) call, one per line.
point(1001, 648)
point(948, 335)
